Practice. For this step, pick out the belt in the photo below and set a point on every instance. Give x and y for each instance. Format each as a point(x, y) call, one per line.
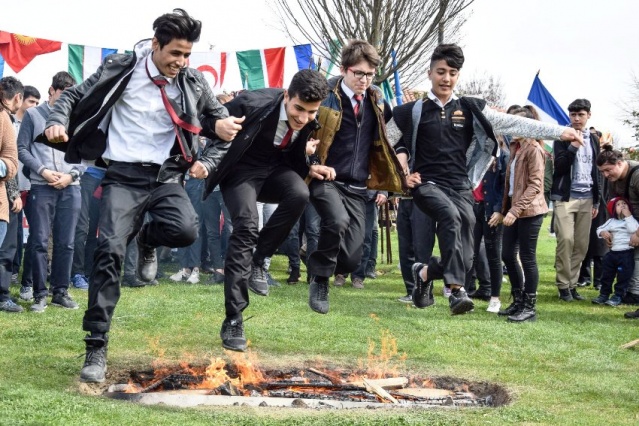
point(137, 164)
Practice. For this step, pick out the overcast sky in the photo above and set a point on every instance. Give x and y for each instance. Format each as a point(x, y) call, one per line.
point(583, 48)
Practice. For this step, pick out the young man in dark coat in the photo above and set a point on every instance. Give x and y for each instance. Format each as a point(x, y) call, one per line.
point(268, 163)
point(143, 113)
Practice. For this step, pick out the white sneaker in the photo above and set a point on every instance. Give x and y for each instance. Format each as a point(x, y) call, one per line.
point(194, 278)
point(494, 306)
point(446, 292)
point(179, 276)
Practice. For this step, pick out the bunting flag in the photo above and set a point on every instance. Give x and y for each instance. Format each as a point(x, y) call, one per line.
point(85, 60)
point(262, 68)
point(18, 50)
point(1, 66)
point(304, 57)
point(212, 65)
point(548, 108)
point(328, 59)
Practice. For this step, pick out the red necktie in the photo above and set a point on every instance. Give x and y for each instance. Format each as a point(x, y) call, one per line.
point(286, 139)
point(356, 108)
point(160, 82)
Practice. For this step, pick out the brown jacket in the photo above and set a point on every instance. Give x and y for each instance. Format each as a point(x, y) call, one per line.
point(9, 155)
point(528, 189)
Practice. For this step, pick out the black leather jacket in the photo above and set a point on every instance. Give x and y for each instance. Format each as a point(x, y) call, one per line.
point(256, 106)
point(85, 112)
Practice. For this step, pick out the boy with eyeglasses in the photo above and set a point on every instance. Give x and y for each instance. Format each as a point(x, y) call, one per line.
point(353, 143)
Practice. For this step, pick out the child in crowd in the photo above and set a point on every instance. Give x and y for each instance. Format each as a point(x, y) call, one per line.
point(619, 260)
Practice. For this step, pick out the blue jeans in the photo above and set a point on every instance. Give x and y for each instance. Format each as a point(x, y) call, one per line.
point(214, 211)
point(86, 230)
point(60, 208)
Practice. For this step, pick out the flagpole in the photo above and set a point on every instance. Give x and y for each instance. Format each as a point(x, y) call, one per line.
point(398, 89)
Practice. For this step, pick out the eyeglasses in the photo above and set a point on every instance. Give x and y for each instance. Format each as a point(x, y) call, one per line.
point(361, 74)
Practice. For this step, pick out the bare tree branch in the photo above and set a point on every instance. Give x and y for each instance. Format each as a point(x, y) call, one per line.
point(484, 86)
point(409, 27)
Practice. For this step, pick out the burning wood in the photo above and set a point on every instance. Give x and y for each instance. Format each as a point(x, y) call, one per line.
point(378, 390)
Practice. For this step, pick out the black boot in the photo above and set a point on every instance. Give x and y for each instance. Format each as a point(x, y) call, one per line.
point(529, 312)
point(515, 306)
point(95, 368)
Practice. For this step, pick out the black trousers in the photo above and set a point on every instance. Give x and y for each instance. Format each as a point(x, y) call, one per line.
point(343, 216)
point(452, 210)
point(521, 239)
point(128, 192)
point(492, 237)
point(241, 191)
point(415, 239)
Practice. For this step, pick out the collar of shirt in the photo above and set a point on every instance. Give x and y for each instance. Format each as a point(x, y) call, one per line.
point(154, 71)
point(350, 93)
point(282, 127)
point(435, 99)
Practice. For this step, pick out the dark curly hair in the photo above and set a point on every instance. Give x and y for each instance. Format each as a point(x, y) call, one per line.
point(308, 86)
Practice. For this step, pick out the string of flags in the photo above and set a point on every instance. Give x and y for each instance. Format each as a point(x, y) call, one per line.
point(249, 69)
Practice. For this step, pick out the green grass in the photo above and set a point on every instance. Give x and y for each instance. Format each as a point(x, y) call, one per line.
point(566, 368)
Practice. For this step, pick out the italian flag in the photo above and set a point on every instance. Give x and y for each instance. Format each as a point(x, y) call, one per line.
point(261, 68)
point(85, 60)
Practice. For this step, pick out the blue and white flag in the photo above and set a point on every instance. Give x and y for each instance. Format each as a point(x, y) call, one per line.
point(1, 66)
point(548, 108)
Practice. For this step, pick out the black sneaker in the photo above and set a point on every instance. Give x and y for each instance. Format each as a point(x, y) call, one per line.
point(480, 295)
point(63, 300)
point(216, 278)
point(575, 295)
point(583, 283)
point(232, 335)
point(258, 282)
point(10, 306)
point(632, 315)
point(39, 305)
point(318, 296)
point(147, 261)
point(95, 367)
point(565, 294)
point(459, 302)
point(131, 281)
point(600, 300)
point(294, 276)
point(423, 290)
point(371, 274)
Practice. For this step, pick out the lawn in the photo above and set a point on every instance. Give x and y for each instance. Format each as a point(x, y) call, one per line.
point(565, 368)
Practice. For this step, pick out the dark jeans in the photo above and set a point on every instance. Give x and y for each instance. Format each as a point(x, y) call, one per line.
point(190, 256)
point(17, 258)
point(242, 190)
point(312, 225)
point(596, 251)
point(291, 247)
point(369, 227)
point(415, 239)
point(129, 191)
point(452, 210)
point(53, 211)
point(521, 238)
point(27, 270)
point(87, 227)
point(214, 211)
point(7, 253)
point(341, 239)
point(492, 238)
point(620, 264)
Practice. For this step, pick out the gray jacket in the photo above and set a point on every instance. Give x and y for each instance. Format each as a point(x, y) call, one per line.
point(37, 156)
